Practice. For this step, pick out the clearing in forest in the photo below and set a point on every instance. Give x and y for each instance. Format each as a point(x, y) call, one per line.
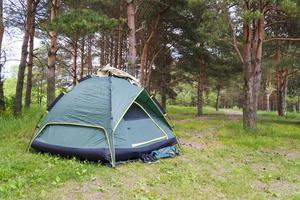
point(220, 161)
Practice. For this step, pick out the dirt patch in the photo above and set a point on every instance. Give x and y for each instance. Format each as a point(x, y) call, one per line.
point(89, 190)
point(190, 143)
point(290, 154)
point(200, 140)
point(275, 189)
point(282, 187)
point(265, 167)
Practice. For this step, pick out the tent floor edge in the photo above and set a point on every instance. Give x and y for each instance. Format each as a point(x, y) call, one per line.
point(101, 154)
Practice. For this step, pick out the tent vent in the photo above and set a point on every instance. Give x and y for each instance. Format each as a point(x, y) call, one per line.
point(55, 101)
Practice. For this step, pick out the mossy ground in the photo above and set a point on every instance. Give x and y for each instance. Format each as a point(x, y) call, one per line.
point(220, 161)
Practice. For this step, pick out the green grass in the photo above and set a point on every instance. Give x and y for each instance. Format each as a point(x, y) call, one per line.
point(220, 161)
point(10, 87)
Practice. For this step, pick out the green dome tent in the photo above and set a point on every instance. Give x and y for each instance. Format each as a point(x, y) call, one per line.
point(104, 119)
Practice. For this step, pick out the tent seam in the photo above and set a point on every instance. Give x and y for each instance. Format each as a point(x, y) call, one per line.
point(112, 156)
point(116, 126)
point(159, 110)
point(169, 122)
point(166, 135)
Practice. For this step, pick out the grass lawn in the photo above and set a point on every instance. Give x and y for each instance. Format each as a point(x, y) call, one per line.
point(220, 161)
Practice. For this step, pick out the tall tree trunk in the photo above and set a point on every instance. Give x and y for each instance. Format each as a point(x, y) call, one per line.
point(298, 103)
point(102, 50)
point(252, 53)
point(106, 49)
point(115, 37)
point(131, 37)
point(55, 4)
point(89, 56)
point(2, 101)
point(30, 57)
point(150, 69)
point(82, 57)
point(268, 107)
point(111, 48)
point(218, 97)
point(22, 65)
point(29, 70)
point(120, 38)
point(282, 78)
point(120, 46)
point(145, 51)
point(201, 80)
point(74, 59)
point(163, 95)
point(269, 91)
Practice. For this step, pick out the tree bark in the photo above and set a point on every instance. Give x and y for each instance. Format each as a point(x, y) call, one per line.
point(298, 103)
point(120, 46)
point(282, 79)
point(253, 37)
point(30, 57)
point(149, 71)
point(201, 80)
point(111, 48)
point(102, 50)
point(145, 51)
point(115, 38)
point(163, 95)
point(281, 83)
point(82, 57)
point(131, 37)
point(22, 65)
point(268, 107)
point(74, 59)
point(218, 97)
point(29, 71)
point(120, 39)
point(55, 4)
point(89, 56)
point(252, 54)
point(106, 49)
point(269, 91)
point(2, 101)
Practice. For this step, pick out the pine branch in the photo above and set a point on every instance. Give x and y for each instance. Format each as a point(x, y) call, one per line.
point(234, 42)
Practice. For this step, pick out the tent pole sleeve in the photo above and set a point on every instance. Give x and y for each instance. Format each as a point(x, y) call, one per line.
point(110, 132)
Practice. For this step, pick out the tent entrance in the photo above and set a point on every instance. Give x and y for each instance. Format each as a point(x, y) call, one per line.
point(137, 129)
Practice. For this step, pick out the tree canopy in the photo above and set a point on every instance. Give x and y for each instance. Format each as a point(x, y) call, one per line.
point(231, 53)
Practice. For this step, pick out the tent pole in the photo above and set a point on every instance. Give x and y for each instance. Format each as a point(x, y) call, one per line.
point(34, 131)
point(111, 132)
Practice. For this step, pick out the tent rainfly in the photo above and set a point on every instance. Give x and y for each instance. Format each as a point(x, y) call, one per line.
point(105, 119)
